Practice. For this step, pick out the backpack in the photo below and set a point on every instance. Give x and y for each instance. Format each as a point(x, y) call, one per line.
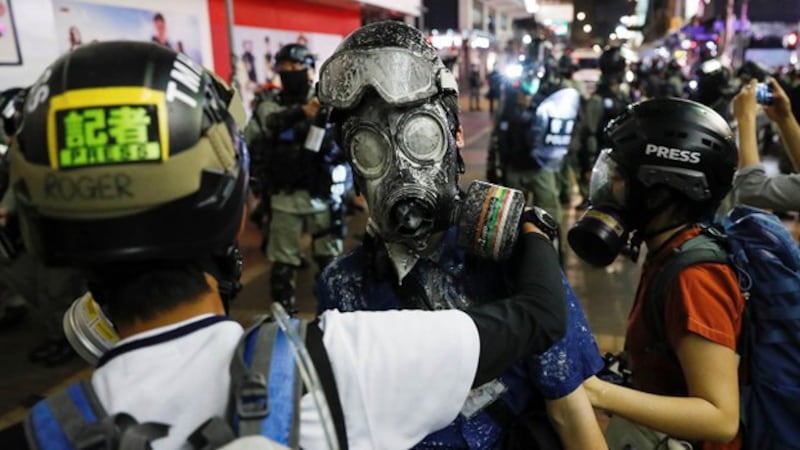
point(261, 401)
point(766, 260)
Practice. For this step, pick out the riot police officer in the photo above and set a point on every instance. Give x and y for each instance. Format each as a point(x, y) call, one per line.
point(607, 102)
point(294, 177)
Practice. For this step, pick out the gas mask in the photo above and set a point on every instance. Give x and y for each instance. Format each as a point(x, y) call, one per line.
point(602, 232)
point(294, 83)
point(384, 83)
point(406, 165)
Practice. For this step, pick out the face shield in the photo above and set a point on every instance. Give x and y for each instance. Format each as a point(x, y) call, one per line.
point(399, 76)
point(601, 233)
point(607, 185)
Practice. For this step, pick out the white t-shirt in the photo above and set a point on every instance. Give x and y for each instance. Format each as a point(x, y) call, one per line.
point(400, 376)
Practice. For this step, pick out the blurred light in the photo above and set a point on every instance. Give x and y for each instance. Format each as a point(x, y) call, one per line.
point(587, 28)
point(711, 45)
point(531, 6)
point(693, 85)
point(790, 40)
point(547, 22)
point(612, 36)
point(514, 70)
point(521, 57)
point(793, 58)
point(581, 15)
point(685, 44)
point(597, 48)
point(679, 54)
point(480, 42)
point(526, 39)
point(627, 20)
point(630, 76)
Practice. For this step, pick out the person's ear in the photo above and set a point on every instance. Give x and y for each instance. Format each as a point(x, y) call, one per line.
point(460, 137)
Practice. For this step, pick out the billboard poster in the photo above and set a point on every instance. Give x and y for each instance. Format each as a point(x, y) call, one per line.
point(256, 47)
point(79, 23)
point(9, 47)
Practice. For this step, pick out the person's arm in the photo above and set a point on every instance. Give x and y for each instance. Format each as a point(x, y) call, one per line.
point(745, 108)
point(780, 112)
point(529, 321)
point(710, 412)
point(575, 421)
point(752, 186)
point(701, 313)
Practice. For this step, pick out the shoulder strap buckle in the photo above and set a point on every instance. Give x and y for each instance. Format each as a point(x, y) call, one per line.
point(251, 403)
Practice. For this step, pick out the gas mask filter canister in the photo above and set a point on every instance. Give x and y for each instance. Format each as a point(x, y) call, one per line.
point(88, 330)
point(488, 219)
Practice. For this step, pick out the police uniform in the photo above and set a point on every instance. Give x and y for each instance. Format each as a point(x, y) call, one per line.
point(297, 183)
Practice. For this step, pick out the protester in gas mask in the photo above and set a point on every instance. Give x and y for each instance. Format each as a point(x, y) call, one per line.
point(396, 117)
point(295, 173)
point(669, 164)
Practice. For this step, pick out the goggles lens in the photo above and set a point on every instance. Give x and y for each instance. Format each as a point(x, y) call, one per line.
point(399, 76)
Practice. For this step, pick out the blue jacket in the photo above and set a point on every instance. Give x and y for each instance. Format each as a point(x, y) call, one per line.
point(451, 279)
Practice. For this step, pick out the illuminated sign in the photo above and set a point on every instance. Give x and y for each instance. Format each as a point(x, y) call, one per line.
point(84, 130)
point(107, 135)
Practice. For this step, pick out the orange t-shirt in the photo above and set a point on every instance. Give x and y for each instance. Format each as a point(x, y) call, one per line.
point(705, 300)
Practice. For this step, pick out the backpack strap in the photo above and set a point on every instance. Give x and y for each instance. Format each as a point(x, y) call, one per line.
point(323, 365)
point(262, 401)
point(703, 248)
point(75, 419)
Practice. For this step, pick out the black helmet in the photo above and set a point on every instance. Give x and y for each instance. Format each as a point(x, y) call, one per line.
point(611, 61)
point(129, 153)
point(713, 82)
point(566, 65)
point(677, 143)
point(296, 53)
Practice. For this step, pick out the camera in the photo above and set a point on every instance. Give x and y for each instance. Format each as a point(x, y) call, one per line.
point(764, 94)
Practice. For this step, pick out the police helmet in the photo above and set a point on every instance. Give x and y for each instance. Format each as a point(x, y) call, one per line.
point(611, 61)
point(297, 53)
point(566, 66)
point(713, 82)
point(129, 152)
point(677, 143)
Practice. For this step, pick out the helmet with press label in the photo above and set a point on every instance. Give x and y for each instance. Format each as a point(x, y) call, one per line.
point(129, 151)
point(678, 143)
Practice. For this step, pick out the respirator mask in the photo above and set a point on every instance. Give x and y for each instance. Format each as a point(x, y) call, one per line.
point(602, 232)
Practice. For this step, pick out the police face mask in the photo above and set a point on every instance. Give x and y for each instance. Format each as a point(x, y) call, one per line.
point(294, 82)
point(602, 232)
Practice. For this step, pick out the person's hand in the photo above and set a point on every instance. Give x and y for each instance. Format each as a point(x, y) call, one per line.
point(744, 104)
point(312, 107)
point(781, 107)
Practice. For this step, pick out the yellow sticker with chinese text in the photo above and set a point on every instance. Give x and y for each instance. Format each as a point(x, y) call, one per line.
point(107, 126)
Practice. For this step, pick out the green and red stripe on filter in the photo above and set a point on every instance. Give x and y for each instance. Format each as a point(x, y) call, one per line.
point(489, 220)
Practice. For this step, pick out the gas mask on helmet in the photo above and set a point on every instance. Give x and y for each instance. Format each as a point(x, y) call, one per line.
point(603, 231)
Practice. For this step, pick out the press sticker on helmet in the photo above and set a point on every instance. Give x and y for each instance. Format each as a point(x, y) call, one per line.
point(84, 133)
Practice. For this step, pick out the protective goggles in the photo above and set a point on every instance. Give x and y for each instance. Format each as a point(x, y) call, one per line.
point(399, 76)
